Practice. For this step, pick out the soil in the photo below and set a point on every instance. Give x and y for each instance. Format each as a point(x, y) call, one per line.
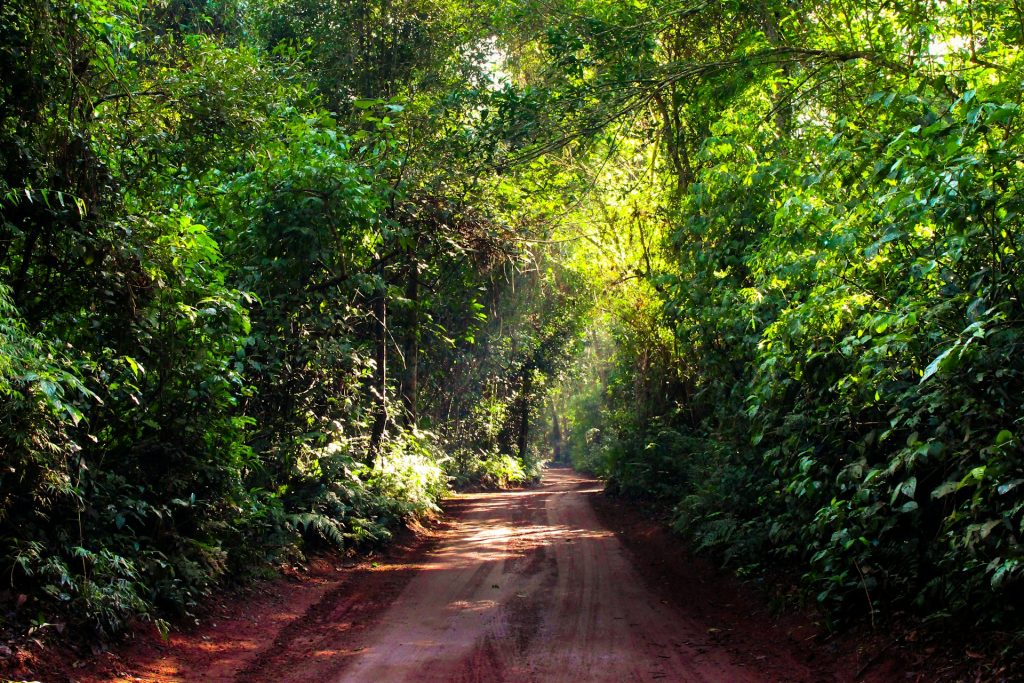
point(556, 583)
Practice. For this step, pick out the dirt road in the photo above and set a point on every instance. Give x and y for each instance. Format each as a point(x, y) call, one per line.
point(551, 584)
point(532, 587)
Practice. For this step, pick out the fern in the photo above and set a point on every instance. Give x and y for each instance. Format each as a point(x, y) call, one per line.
point(326, 529)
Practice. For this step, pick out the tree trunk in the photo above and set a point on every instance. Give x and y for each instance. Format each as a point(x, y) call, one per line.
point(675, 143)
point(556, 435)
point(783, 103)
point(380, 378)
point(410, 378)
point(524, 411)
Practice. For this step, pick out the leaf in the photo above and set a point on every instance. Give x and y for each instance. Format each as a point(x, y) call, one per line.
point(1005, 488)
point(1003, 113)
point(873, 250)
point(936, 127)
point(933, 367)
point(1005, 570)
point(986, 529)
point(50, 389)
point(977, 474)
point(137, 369)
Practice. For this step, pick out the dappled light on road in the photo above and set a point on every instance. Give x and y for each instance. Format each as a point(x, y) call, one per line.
point(531, 586)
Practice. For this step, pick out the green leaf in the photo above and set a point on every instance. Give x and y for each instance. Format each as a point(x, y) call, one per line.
point(935, 365)
point(984, 530)
point(1003, 489)
point(1003, 113)
point(137, 369)
point(976, 474)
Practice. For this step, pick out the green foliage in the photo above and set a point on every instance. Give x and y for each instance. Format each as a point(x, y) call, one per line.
point(487, 469)
point(835, 330)
point(275, 275)
point(238, 296)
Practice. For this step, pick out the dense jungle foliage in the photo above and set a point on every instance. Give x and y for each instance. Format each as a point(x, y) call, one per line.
point(814, 352)
point(252, 301)
point(278, 274)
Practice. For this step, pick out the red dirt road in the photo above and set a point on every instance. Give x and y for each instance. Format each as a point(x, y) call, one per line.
point(531, 587)
point(517, 586)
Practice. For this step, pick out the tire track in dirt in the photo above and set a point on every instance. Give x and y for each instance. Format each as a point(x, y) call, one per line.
point(532, 587)
point(515, 587)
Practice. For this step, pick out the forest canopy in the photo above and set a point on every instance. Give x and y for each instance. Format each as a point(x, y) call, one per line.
point(276, 275)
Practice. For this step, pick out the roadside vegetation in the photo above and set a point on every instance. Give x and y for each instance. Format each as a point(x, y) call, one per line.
point(814, 355)
point(277, 275)
point(252, 302)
